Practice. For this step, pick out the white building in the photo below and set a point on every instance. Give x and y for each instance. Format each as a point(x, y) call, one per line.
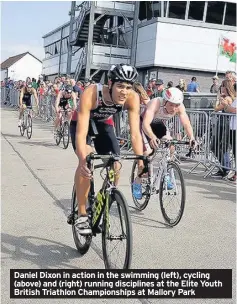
point(164, 39)
point(21, 66)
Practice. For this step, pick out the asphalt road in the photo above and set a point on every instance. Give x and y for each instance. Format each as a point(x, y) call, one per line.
point(37, 178)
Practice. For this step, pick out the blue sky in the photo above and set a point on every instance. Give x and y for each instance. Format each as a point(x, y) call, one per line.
point(23, 23)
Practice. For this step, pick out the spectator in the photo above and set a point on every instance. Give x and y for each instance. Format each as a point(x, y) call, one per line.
point(76, 88)
point(182, 85)
point(28, 80)
point(34, 84)
point(159, 92)
point(144, 98)
point(80, 85)
point(221, 135)
point(151, 87)
point(170, 84)
point(193, 85)
point(87, 82)
point(215, 86)
point(232, 108)
point(229, 75)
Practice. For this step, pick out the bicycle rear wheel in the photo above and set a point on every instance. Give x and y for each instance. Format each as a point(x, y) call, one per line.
point(172, 194)
point(82, 242)
point(66, 134)
point(146, 189)
point(117, 210)
point(29, 126)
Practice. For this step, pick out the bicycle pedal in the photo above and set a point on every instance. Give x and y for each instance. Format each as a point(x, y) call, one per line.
point(70, 219)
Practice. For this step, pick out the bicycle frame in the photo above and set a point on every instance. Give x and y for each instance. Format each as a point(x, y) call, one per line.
point(98, 204)
point(162, 164)
point(27, 111)
point(101, 202)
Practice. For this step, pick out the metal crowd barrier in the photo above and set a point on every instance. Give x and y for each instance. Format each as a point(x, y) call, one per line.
point(14, 97)
point(46, 107)
point(215, 140)
point(222, 146)
point(3, 94)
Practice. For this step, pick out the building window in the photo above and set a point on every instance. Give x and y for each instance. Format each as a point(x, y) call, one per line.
point(156, 8)
point(177, 9)
point(230, 15)
point(215, 12)
point(196, 9)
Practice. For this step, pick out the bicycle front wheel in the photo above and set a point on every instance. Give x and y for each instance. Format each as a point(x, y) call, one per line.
point(66, 134)
point(82, 242)
point(172, 194)
point(117, 233)
point(29, 127)
point(22, 126)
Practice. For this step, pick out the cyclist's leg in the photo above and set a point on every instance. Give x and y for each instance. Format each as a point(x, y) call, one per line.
point(57, 120)
point(82, 190)
point(107, 142)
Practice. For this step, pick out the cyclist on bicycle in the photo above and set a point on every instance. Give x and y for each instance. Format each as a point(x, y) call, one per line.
point(25, 99)
point(98, 103)
point(65, 100)
point(160, 110)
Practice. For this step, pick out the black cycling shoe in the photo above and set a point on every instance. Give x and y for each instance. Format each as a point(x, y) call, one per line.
point(70, 219)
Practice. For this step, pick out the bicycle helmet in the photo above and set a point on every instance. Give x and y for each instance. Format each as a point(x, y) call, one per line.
point(29, 85)
point(68, 89)
point(123, 72)
point(174, 95)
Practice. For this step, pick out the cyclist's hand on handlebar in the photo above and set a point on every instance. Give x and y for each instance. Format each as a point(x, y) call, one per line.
point(154, 142)
point(84, 170)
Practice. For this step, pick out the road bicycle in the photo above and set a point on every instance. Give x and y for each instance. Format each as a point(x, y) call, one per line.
point(26, 122)
point(63, 129)
point(163, 177)
point(108, 213)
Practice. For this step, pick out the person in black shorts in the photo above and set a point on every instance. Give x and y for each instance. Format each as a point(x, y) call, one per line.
point(25, 99)
point(66, 99)
point(97, 104)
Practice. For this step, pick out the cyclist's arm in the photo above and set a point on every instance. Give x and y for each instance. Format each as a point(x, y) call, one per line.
point(134, 123)
point(185, 122)
point(21, 97)
point(152, 108)
point(87, 100)
point(36, 97)
point(74, 99)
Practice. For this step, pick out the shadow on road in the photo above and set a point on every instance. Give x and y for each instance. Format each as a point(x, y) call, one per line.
point(39, 143)
point(212, 188)
point(11, 135)
point(50, 254)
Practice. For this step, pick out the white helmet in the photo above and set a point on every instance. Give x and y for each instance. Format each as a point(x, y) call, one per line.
point(174, 95)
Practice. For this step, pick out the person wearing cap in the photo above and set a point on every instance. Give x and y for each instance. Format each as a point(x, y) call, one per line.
point(215, 86)
point(25, 99)
point(66, 99)
point(159, 92)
